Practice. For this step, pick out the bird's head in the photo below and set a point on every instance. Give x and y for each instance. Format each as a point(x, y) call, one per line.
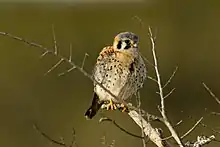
point(126, 41)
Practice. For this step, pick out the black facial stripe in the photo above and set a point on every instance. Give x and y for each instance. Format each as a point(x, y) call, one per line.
point(128, 44)
point(119, 44)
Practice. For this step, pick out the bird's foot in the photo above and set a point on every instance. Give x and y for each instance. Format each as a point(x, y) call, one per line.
point(111, 105)
point(123, 108)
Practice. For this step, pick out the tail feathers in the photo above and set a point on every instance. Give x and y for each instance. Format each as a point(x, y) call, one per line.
point(96, 105)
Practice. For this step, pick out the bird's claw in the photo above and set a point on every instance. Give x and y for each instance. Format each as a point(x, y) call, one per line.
point(123, 108)
point(111, 105)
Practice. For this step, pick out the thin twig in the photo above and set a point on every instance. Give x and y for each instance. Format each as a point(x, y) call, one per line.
point(143, 27)
point(190, 130)
point(169, 137)
point(62, 140)
point(54, 66)
point(163, 113)
point(54, 40)
point(67, 71)
point(112, 144)
point(103, 119)
point(151, 78)
point(168, 94)
point(139, 20)
point(48, 137)
point(73, 142)
point(84, 60)
point(44, 54)
point(71, 50)
point(166, 138)
point(215, 113)
point(178, 123)
point(171, 77)
point(211, 93)
point(70, 60)
point(105, 143)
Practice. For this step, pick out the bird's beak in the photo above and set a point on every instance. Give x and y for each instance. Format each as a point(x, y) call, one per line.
point(135, 45)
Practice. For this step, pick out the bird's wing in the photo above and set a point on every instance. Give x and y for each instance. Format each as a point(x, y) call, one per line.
point(129, 86)
point(101, 65)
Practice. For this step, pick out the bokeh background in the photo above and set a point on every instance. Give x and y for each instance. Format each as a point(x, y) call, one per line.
point(188, 36)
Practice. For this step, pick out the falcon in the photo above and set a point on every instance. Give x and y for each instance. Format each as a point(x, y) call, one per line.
point(119, 73)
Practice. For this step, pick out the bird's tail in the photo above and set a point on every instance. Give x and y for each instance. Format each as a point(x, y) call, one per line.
point(93, 109)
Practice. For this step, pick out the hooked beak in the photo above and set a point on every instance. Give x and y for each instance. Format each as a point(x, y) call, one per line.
point(135, 45)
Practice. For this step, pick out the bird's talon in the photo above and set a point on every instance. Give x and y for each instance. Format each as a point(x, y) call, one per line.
point(111, 105)
point(123, 108)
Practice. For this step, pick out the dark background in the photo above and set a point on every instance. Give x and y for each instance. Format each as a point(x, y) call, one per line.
point(188, 36)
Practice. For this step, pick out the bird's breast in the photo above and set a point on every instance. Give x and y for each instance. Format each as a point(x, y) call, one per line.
point(112, 73)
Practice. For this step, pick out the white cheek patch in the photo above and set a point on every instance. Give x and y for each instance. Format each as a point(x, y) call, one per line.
point(123, 45)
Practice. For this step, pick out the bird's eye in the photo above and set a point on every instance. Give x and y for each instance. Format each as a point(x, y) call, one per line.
point(128, 44)
point(119, 44)
point(127, 41)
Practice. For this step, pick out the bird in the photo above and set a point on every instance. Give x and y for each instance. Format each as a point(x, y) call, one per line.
point(118, 74)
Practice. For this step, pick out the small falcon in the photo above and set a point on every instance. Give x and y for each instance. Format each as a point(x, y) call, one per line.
point(120, 69)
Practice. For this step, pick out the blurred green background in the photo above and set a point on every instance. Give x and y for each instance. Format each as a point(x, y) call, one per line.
point(188, 36)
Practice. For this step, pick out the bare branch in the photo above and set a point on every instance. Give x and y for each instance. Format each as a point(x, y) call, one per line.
point(139, 20)
point(73, 142)
point(54, 40)
point(149, 131)
point(70, 60)
point(151, 78)
point(44, 54)
point(65, 72)
point(211, 93)
point(105, 143)
point(48, 137)
point(163, 113)
point(84, 59)
point(71, 50)
point(112, 144)
point(169, 137)
point(171, 77)
point(103, 119)
point(62, 140)
point(190, 130)
point(178, 123)
point(215, 113)
point(103, 140)
point(168, 94)
point(138, 99)
point(201, 140)
point(53, 67)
